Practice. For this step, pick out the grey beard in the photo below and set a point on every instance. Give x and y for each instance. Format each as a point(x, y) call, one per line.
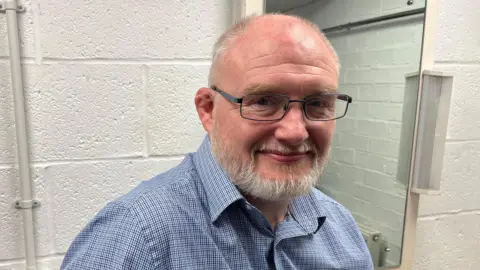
point(242, 175)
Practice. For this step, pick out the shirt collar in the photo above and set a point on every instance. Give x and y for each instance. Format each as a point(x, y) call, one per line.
point(219, 190)
point(221, 193)
point(308, 212)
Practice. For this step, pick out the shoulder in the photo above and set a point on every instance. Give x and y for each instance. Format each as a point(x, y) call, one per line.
point(166, 200)
point(138, 223)
point(165, 196)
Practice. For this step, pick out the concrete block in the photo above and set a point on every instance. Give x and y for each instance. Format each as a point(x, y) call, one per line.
point(460, 188)
point(84, 111)
point(350, 90)
point(379, 181)
point(383, 147)
point(362, 41)
point(354, 141)
point(372, 92)
point(457, 35)
point(386, 111)
point(351, 173)
point(354, 204)
point(359, 110)
point(346, 124)
point(337, 137)
point(362, 9)
point(352, 60)
point(8, 139)
point(26, 31)
point(378, 75)
point(397, 92)
point(463, 121)
point(375, 162)
point(448, 242)
point(11, 220)
point(173, 123)
point(323, 13)
point(343, 155)
point(44, 263)
point(376, 129)
point(394, 130)
point(405, 55)
point(379, 198)
point(79, 191)
point(387, 217)
point(339, 43)
point(399, 34)
point(153, 29)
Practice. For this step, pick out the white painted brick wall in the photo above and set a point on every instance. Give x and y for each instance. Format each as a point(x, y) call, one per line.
point(374, 61)
point(109, 90)
point(448, 230)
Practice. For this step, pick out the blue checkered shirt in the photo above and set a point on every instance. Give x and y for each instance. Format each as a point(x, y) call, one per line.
point(193, 217)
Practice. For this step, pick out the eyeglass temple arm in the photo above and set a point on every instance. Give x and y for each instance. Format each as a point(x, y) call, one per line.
point(227, 95)
point(346, 98)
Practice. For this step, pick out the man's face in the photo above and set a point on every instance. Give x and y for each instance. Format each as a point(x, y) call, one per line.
point(281, 159)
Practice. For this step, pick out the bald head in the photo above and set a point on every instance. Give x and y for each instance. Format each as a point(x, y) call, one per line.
point(235, 46)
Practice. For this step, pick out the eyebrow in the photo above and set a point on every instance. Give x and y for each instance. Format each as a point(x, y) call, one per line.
point(259, 88)
point(265, 88)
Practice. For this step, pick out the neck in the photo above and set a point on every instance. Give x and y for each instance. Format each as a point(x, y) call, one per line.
point(274, 211)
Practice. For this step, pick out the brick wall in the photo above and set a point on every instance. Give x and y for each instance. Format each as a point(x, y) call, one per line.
point(109, 91)
point(448, 230)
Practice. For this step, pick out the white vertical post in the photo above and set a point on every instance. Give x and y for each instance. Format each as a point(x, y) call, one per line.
point(26, 203)
point(242, 8)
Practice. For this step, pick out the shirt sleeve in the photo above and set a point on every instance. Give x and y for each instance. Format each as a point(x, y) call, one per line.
point(112, 240)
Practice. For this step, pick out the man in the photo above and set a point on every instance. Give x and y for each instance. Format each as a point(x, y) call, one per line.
point(245, 199)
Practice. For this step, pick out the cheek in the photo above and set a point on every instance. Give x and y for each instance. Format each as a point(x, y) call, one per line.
point(240, 134)
point(322, 135)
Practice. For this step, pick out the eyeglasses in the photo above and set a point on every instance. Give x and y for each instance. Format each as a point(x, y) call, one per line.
point(273, 107)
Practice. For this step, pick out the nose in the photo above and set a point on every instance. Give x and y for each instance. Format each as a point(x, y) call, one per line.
point(292, 128)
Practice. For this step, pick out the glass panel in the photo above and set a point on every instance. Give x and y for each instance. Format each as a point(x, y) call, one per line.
point(369, 167)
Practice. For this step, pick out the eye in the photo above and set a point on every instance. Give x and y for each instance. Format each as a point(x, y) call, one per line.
point(263, 101)
point(321, 102)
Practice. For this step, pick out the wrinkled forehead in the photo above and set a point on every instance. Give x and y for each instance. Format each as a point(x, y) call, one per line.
point(261, 41)
point(295, 45)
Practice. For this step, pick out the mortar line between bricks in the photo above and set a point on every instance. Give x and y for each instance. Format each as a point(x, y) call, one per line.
point(40, 258)
point(127, 61)
point(453, 141)
point(4, 166)
point(448, 214)
point(94, 160)
point(145, 78)
point(36, 25)
point(457, 64)
point(23, 60)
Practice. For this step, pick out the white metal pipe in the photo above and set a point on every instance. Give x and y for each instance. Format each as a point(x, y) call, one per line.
point(20, 123)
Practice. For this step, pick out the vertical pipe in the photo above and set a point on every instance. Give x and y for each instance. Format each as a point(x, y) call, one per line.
point(21, 133)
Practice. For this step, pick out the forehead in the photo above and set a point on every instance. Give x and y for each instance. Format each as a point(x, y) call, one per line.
point(295, 58)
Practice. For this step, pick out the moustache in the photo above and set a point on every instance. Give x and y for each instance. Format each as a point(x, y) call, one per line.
point(285, 149)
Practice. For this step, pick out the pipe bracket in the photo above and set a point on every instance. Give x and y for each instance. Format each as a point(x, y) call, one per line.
point(19, 204)
point(10, 5)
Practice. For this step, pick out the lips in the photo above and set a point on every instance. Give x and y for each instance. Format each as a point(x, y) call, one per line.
point(285, 158)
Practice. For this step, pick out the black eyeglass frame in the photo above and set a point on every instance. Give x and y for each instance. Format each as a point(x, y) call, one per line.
point(233, 99)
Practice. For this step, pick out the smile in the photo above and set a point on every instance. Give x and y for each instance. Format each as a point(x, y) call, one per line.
point(285, 157)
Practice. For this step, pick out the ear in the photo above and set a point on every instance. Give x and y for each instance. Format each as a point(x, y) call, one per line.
point(204, 102)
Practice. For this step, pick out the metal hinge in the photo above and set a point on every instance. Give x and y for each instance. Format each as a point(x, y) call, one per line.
point(19, 204)
point(11, 5)
point(377, 245)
